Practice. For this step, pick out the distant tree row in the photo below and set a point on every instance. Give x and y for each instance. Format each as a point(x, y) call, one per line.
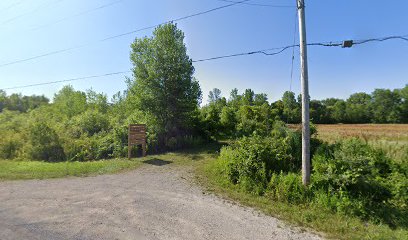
point(381, 106)
point(248, 112)
point(18, 102)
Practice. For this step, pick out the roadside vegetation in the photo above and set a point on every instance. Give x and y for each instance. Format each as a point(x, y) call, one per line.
point(359, 185)
point(23, 170)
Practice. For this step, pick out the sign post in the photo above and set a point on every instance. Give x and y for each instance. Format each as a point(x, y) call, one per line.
point(136, 136)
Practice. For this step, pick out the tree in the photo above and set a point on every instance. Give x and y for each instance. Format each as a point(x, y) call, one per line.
point(319, 112)
point(339, 111)
point(3, 98)
point(248, 97)
point(163, 86)
point(291, 108)
point(385, 105)
point(214, 95)
point(260, 99)
point(228, 120)
point(70, 102)
point(403, 93)
point(358, 108)
point(97, 101)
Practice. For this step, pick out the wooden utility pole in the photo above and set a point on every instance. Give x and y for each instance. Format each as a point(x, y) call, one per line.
point(305, 94)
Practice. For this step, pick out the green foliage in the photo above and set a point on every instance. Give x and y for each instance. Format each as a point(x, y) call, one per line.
point(92, 122)
point(70, 102)
point(17, 102)
point(385, 106)
point(164, 88)
point(288, 187)
point(349, 177)
point(358, 109)
point(10, 145)
point(45, 144)
point(291, 108)
point(252, 161)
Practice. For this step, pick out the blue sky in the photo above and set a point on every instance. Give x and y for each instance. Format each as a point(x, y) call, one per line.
point(34, 27)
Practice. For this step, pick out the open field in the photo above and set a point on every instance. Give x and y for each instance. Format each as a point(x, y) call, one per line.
point(396, 133)
point(392, 138)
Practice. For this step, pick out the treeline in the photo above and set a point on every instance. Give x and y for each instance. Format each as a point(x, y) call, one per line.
point(18, 102)
point(83, 126)
point(242, 114)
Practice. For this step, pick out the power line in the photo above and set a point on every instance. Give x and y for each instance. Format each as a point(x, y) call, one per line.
point(11, 6)
point(79, 14)
point(120, 35)
point(293, 52)
point(322, 44)
point(29, 12)
point(264, 51)
point(260, 4)
point(67, 80)
point(405, 38)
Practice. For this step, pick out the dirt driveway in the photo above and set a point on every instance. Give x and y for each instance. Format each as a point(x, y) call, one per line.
point(152, 202)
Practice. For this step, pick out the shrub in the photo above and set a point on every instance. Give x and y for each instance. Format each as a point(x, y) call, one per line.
point(9, 146)
point(349, 177)
point(288, 188)
point(45, 144)
point(359, 180)
point(92, 122)
point(100, 146)
point(252, 161)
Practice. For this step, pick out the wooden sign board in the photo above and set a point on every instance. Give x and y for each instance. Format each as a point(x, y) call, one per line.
point(136, 136)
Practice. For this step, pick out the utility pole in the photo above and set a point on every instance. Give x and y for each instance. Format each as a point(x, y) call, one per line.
point(305, 94)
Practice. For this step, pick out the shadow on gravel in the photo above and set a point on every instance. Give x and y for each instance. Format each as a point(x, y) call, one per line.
point(157, 162)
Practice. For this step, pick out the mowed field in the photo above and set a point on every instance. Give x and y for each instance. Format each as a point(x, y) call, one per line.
point(392, 138)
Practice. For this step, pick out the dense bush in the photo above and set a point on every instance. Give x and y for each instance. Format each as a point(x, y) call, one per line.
point(348, 177)
point(252, 161)
point(45, 144)
point(362, 180)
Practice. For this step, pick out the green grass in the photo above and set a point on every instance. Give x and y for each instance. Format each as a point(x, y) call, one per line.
point(23, 170)
point(329, 224)
point(18, 170)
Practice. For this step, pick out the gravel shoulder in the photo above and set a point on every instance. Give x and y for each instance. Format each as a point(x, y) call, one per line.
point(152, 202)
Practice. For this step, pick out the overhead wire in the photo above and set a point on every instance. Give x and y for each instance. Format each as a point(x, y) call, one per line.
point(264, 52)
point(357, 42)
point(67, 80)
point(292, 64)
point(293, 52)
point(90, 10)
point(261, 4)
point(46, 4)
point(11, 6)
point(121, 35)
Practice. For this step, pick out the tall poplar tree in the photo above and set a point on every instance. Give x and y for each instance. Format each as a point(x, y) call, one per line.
point(163, 86)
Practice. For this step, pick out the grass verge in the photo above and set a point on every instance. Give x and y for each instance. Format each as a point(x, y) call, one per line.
point(20, 170)
point(331, 225)
point(24, 170)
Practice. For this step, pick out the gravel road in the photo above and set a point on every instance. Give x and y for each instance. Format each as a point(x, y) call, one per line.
point(152, 202)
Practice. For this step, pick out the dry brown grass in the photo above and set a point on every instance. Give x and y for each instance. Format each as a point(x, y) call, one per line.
point(392, 138)
point(368, 132)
